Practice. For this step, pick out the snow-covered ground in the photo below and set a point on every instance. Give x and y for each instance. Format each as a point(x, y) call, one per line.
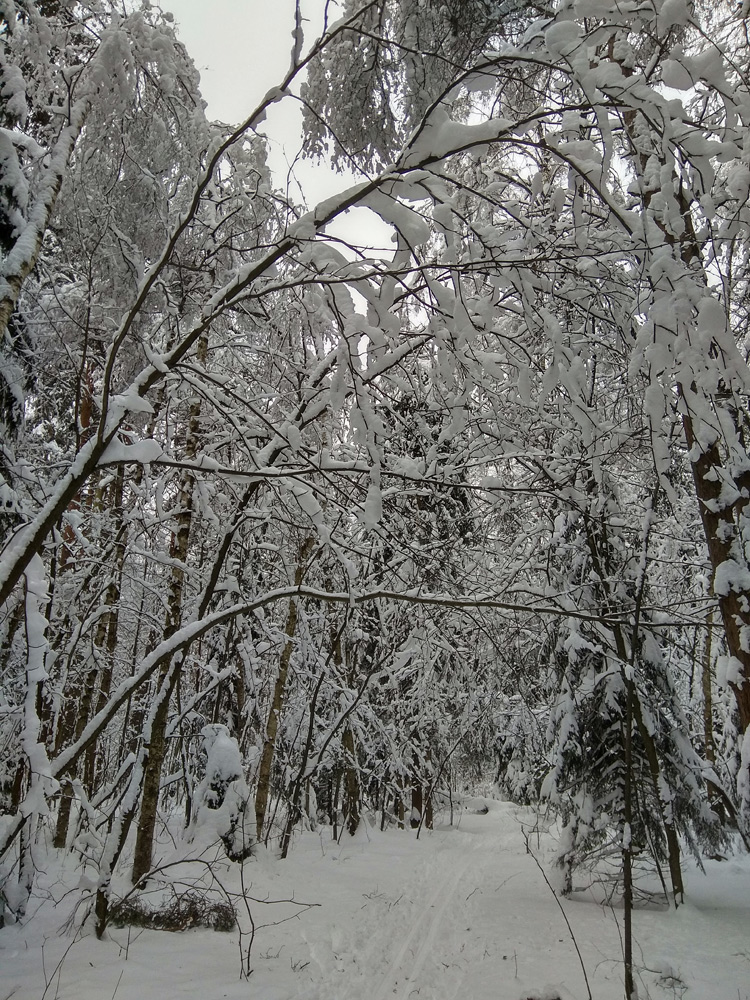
point(463, 912)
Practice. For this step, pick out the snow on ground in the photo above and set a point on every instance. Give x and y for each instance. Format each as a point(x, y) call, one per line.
point(464, 912)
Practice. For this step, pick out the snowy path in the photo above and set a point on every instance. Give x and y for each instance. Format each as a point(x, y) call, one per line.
point(466, 915)
point(474, 921)
point(461, 914)
point(402, 977)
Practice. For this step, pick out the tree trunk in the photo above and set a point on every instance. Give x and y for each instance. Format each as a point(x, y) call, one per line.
point(272, 725)
point(107, 634)
point(78, 701)
point(336, 787)
point(277, 704)
point(417, 805)
point(627, 847)
point(721, 534)
point(652, 756)
point(429, 814)
point(710, 474)
point(144, 843)
point(293, 814)
point(170, 673)
point(399, 803)
point(352, 795)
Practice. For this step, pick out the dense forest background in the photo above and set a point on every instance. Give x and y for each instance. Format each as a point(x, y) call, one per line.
point(294, 530)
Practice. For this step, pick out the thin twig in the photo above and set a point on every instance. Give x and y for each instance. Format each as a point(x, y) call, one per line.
point(562, 910)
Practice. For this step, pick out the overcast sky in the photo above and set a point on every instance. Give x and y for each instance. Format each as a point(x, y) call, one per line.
point(242, 48)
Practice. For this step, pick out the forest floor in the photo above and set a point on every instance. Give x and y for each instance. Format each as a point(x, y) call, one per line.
point(463, 912)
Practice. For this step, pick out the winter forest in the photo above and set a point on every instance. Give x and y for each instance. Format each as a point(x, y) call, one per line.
point(305, 537)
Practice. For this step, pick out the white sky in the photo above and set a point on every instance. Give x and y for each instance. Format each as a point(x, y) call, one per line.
point(239, 49)
point(242, 48)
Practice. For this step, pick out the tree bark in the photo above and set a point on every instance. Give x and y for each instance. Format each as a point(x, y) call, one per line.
point(169, 676)
point(352, 804)
point(721, 534)
point(417, 805)
point(277, 703)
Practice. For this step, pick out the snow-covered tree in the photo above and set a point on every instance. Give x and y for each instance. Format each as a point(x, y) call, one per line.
point(238, 432)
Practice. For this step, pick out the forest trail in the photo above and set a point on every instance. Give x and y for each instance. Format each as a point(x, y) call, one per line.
point(474, 919)
point(463, 913)
point(466, 914)
point(403, 976)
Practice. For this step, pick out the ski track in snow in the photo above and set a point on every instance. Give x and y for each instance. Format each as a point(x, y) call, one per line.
point(423, 937)
point(401, 978)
